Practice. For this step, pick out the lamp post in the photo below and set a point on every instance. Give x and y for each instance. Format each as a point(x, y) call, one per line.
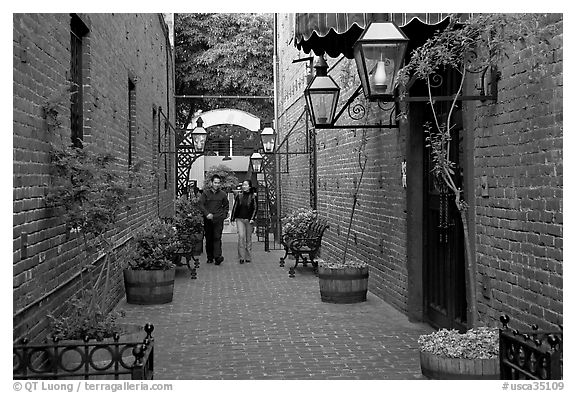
point(322, 95)
point(379, 54)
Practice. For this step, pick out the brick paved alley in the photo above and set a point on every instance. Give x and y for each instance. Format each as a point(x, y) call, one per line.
point(252, 321)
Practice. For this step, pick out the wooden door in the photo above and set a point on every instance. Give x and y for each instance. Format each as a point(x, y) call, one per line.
point(443, 256)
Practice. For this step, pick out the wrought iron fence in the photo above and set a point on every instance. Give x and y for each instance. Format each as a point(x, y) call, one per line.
point(529, 355)
point(86, 360)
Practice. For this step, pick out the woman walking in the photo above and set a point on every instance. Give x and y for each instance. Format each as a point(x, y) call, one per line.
point(244, 213)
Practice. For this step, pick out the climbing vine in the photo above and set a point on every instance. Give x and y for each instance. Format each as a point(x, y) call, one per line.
point(89, 192)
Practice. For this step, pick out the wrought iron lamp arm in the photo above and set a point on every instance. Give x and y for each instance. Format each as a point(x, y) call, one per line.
point(285, 139)
point(347, 104)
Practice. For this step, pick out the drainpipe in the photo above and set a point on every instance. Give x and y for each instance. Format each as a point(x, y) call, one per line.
point(278, 177)
point(168, 47)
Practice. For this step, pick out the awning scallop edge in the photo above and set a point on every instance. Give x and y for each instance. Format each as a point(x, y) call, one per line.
point(335, 34)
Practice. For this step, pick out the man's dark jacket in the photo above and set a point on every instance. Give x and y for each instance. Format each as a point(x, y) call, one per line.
point(215, 203)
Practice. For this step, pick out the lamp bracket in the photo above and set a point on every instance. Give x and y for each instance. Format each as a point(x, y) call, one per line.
point(485, 83)
point(358, 112)
point(285, 139)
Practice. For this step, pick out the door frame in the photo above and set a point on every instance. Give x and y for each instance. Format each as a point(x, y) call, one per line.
point(415, 145)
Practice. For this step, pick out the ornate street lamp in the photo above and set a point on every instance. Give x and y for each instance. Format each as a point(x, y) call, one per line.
point(199, 135)
point(322, 95)
point(268, 138)
point(256, 161)
point(379, 54)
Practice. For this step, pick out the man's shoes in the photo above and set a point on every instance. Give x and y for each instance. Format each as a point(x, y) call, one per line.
point(241, 261)
point(247, 261)
point(219, 260)
point(210, 261)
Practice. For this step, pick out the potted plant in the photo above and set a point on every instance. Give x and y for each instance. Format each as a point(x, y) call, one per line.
point(189, 226)
point(77, 324)
point(346, 281)
point(149, 274)
point(78, 327)
point(295, 224)
point(449, 354)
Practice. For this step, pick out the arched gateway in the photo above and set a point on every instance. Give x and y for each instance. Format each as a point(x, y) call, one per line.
point(185, 155)
point(185, 146)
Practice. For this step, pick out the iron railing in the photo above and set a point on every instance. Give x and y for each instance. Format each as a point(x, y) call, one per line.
point(86, 360)
point(529, 355)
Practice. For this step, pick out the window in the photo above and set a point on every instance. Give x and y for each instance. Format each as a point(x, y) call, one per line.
point(77, 31)
point(131, 118)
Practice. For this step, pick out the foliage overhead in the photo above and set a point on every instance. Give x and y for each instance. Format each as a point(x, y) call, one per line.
point(223, 54)
point(229, 179)
point(228, 54)
point(484, 40)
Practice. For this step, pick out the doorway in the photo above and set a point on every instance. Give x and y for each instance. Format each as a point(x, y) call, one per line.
point(443, 258)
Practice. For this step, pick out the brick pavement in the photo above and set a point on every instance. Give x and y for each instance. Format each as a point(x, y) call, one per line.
point(252, 321)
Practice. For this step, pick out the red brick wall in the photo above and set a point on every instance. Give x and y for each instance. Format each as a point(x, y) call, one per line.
point(378, 233)
point(118, 47)
point(517, 145)
point(519, 234)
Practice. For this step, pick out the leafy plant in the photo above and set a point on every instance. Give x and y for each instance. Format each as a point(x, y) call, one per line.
point(229, 179)
point(476, 44)
point(155, 245)
point(90, 193)
point(188, 222)
point(78, 323)
point(476, 343)
point(223, 54)
point(296, 223)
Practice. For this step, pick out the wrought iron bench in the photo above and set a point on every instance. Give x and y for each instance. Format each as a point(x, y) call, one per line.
point(87, 360)
point(305, 248)
point(533, 355)
point(189, 254)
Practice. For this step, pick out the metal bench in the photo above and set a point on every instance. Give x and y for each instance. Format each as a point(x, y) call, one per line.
point(529, 355)
point(307, 247)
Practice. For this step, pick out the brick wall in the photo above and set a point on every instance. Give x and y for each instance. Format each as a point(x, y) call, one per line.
point(118, 47)
point(516, 231)
point(378, 232)
point(518, 147)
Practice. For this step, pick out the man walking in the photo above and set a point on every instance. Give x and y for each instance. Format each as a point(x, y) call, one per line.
point(214, 205)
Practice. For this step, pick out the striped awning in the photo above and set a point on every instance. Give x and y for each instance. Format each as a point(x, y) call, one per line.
point(335, 34)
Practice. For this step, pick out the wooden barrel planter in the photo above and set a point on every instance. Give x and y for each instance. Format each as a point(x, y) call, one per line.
point(343, 285)
point(440, 367)
point(149, 286)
